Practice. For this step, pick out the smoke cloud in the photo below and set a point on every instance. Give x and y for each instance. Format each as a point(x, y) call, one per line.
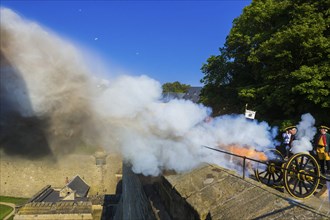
point(46, 86)
point(305, 134)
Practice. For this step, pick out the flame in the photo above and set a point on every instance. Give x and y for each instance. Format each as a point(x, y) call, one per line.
point(251, 153)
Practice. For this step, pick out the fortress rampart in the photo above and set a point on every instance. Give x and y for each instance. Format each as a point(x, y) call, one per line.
point(23, 178)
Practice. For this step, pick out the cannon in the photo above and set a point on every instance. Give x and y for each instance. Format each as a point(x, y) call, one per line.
point(299, 174)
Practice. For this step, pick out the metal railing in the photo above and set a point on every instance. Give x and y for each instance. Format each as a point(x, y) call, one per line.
point(262, 162)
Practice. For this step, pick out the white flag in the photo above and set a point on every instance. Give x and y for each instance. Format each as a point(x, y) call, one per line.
point(250, 114)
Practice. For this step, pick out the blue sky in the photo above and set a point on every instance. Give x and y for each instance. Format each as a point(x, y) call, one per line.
point(165, 40)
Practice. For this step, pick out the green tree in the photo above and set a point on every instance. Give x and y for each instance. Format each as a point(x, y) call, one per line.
point(276, 58)
point(176, 87)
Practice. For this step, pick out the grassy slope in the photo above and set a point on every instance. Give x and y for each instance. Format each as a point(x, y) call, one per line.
point(15, 200)
point(5, 210)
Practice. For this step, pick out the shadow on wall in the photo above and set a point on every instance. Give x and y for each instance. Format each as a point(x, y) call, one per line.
point(110, 203)
point(22, 133)
point(167, 201)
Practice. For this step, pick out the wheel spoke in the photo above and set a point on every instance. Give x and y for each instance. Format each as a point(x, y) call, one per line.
point(311, 182)
point(273, 176)
point(295, 161)
point(292, 171)
point(306, 188)
point(308, 159)
point(265, 176)
point(278, 175)
point(295, 185)
point(262, 172)
point(268, 179)
point(303, 162)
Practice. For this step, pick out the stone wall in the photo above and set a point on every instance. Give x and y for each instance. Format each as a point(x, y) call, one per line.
point(55, 217)
point(43, 208)
point(23, 178)
point(212, 192)
point(176, 205)
point(134, 203)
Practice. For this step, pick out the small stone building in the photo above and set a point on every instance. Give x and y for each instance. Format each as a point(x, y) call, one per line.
point(69, 202)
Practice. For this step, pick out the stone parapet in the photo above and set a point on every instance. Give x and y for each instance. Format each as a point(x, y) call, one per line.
point(134, 203)
point(211, 192)
point(55, 208)
point(55, 217)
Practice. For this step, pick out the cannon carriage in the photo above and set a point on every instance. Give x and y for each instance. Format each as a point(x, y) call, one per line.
point(299, 175)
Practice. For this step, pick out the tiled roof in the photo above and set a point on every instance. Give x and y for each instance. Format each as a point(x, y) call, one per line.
point(50, 195)
point(79, 186)
point(49, 201)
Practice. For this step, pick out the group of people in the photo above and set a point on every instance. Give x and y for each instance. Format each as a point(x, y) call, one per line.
point(321, 145)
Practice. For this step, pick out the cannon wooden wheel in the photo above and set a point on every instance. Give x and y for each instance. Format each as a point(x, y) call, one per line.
point(271, 173)
point(301, 175)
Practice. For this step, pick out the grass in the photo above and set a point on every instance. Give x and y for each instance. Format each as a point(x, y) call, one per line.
point(15, 200)
point(5, 210)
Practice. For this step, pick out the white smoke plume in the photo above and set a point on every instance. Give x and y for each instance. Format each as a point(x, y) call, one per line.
point(305, 134)
point(44, 78)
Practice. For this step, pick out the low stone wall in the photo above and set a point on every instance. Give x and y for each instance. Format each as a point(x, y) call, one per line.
point(24, 178)
point(209, 192)
point(176, 205)
point(212, 192)
point(44, 208)
point(55, 217)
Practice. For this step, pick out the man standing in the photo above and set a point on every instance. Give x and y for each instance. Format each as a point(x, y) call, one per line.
point(288, 136)
point(321, 144)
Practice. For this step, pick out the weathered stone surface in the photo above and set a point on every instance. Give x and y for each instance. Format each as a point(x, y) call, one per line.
point(23, 178)
point(134, 203)
point(217, 193)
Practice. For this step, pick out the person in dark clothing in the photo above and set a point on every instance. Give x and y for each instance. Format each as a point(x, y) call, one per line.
point(288, 137)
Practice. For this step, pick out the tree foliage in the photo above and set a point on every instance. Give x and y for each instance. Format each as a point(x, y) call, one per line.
point(276, 58)
point(176, 87)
